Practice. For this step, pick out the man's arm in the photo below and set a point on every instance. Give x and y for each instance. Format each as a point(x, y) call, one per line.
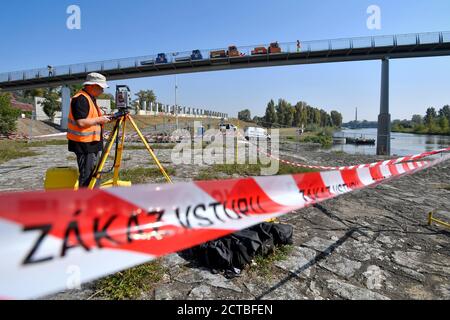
point(83, 123)
point(80, 111)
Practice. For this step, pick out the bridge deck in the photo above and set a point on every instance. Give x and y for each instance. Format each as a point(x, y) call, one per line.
point(322, 51)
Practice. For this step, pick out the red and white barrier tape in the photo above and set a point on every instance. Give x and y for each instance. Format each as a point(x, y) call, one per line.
point(366, 165)
point(45, 236)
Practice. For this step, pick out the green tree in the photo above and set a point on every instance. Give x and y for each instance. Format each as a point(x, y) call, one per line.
point(416, 119)
point(51, 104)
point(316, 116)
point(325, 120)
point(430, 117)
point(310, 115)
point(285, 113)
point(135, 105)
point(147, 96)
point(396, 126)
point(244, 115)
point(304, 115)
point(336, 118)
point(27, 96)
point(8, 115)
point(445, 112)
point(297, 122)
point(444, 124)
point(74, 88)
point(270, 117)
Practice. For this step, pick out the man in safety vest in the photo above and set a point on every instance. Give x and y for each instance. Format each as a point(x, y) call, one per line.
point(85, 126)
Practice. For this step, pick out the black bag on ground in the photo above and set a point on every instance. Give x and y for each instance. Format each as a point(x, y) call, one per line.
point(282, 233)
point(239, 248)
point(244, 245)
point(264, 231)
point(216, 254)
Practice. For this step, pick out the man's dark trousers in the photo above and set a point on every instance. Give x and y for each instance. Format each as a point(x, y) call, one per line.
point(86, 165)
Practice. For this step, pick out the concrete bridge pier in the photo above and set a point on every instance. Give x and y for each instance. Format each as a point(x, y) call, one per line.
point(384, 118)
point(65, 106)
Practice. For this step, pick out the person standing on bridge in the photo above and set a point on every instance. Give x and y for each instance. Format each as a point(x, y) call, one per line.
point(85, 126)
point(50, 71)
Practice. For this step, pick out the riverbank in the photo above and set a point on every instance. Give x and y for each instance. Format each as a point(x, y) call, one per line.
point(402, 144)
point(370, 244)
point(422, 132)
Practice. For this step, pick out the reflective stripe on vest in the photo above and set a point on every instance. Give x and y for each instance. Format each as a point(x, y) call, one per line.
point(83, 134)
point(88, 134)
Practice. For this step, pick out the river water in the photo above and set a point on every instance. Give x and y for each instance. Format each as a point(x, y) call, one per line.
point(401, 143)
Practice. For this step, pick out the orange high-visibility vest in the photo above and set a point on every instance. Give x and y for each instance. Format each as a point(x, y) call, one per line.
point(88, 134)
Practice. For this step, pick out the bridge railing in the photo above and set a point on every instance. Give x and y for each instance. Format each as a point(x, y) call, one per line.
point(406, 39)
point(180, 57)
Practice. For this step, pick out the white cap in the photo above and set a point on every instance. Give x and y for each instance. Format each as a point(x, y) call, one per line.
point(96, 78)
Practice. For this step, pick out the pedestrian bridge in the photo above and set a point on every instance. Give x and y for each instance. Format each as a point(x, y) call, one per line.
point(319, 51)
point(382, 48)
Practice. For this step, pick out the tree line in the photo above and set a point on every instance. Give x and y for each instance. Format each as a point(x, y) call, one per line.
point(284, 114)
point(8, 115)
point(433, 122)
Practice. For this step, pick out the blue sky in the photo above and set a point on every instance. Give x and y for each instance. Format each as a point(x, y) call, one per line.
point(34, 34)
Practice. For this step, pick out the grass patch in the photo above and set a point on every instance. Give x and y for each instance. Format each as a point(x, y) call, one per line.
point(10, 150)
point(207, 174)
point(129, 284)
point(217, 171)
point(323, 136)
point(139, 175)
point(288, 169)
point(43, 143)
point(159, 146)
point(240, 169)
point(264, 264)
point(163, 146)
point(324, 141)
point(153, 146)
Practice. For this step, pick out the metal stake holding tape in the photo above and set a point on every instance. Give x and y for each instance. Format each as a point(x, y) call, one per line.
point(431, 219)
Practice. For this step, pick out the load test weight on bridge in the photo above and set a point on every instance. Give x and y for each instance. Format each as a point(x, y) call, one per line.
point(123, 104)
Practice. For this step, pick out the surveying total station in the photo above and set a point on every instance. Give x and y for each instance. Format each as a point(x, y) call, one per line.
point(123, 104)
point(65, 177)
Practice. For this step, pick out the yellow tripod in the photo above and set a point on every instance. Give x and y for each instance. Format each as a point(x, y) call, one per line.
point(121, 121)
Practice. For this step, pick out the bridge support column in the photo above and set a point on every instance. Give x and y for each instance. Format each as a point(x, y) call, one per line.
point(65, 106)
point(384, 119)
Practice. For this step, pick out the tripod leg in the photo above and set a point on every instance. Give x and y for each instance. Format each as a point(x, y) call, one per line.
point(164, 173)
point(101, 163)
point(118, 159)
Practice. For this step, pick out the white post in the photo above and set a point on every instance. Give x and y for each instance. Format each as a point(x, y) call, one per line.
point(144, 106)
point(176, 106)
point(65, 106)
